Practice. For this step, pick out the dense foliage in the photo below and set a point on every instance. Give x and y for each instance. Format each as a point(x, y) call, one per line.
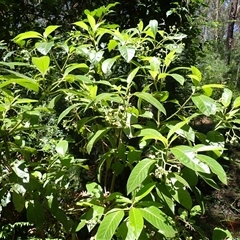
point(89, 146)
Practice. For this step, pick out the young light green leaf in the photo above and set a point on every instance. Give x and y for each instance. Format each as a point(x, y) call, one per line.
point(127, 52)
point(44, 47)
point(98, 135)
point(236, 102)
point(153, 24)
point(187, 156)
point(149, 133)
point(159, 220)
point(150, 99)
point(66, 111)
point(180, 79)
point(92, 22)
point(205, 104)
point(196, 73)
point(136, 221)
point(215, 167)
point(226, 97)
point(138, 174)
point(82, 25)
point(42, 63)
point(62, 147)
point(132, 75)
point(27, 35)
point(112, 44)
point(176, 127)
point(49, 30)
point(169, 58)
point(109, 225)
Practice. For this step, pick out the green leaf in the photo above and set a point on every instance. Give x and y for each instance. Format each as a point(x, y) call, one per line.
point(49, 30)
point(132, 75)
point(26, 35)
point(176, 127)
point(42, 63)
point(187, 156)
point(179, 192)
point(196, 73)
point(226, 97)
point(29, 84)
point(18, 201)
point(153, 24)
point(98, 135)
point(112, 45)
point(159, 220)
point(138, 174)
point(136, 221)
point(205, 104)
point(82, 25)
point(21, 171)
point(44, 47)
point(149, 133)
point(62, 147)
point(127, 52)
point(180, 79)
point(221, 234)
point(169, 58)
point(66, 111)
point(92, 22)
point(150, 99)
point(74, 66)
point(215, 167)
point(107, 64)
point(236, 102)
point(143, 192)
point(109, 225)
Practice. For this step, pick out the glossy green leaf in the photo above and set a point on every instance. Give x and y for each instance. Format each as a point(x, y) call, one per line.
point(73, 66)
point(149, 133)
point(196, 73)
point(179, 192)
point(187, 156)
point(107, 64)
point(136, 221)
point(215, 167)
point(236, 102)
point(153, 24)
point(221, 234)
point(138, 174)
point(109, 225)
point(205, 104)
point(27, 35)
point(226, 97)
point(150, 99)
point(159, 220)
point(44, 47)
point(176, 127)
point(143, 192)
point(97, 136)
point(169, 58)
point(82, 25)
point(92, 22)
point(180, 79)
point(112, 45)
point(132, 75)
point(62, 147)
point(66, 111)
point(49, 30)
point(42, 63)
point(18, 201)
point(127, 52)
point(21, 171)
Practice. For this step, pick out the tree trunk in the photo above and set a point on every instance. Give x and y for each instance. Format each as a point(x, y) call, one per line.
point(230, 33)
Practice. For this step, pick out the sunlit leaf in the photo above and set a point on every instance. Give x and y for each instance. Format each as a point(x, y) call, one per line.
point(127, 52)
point(62, 147)
point(44, 47)
point(159, 220)
point(42, 63)
point(226, 97)
point(109, 225)
point(136, 221)
point(138, 174)
point(49, 30)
